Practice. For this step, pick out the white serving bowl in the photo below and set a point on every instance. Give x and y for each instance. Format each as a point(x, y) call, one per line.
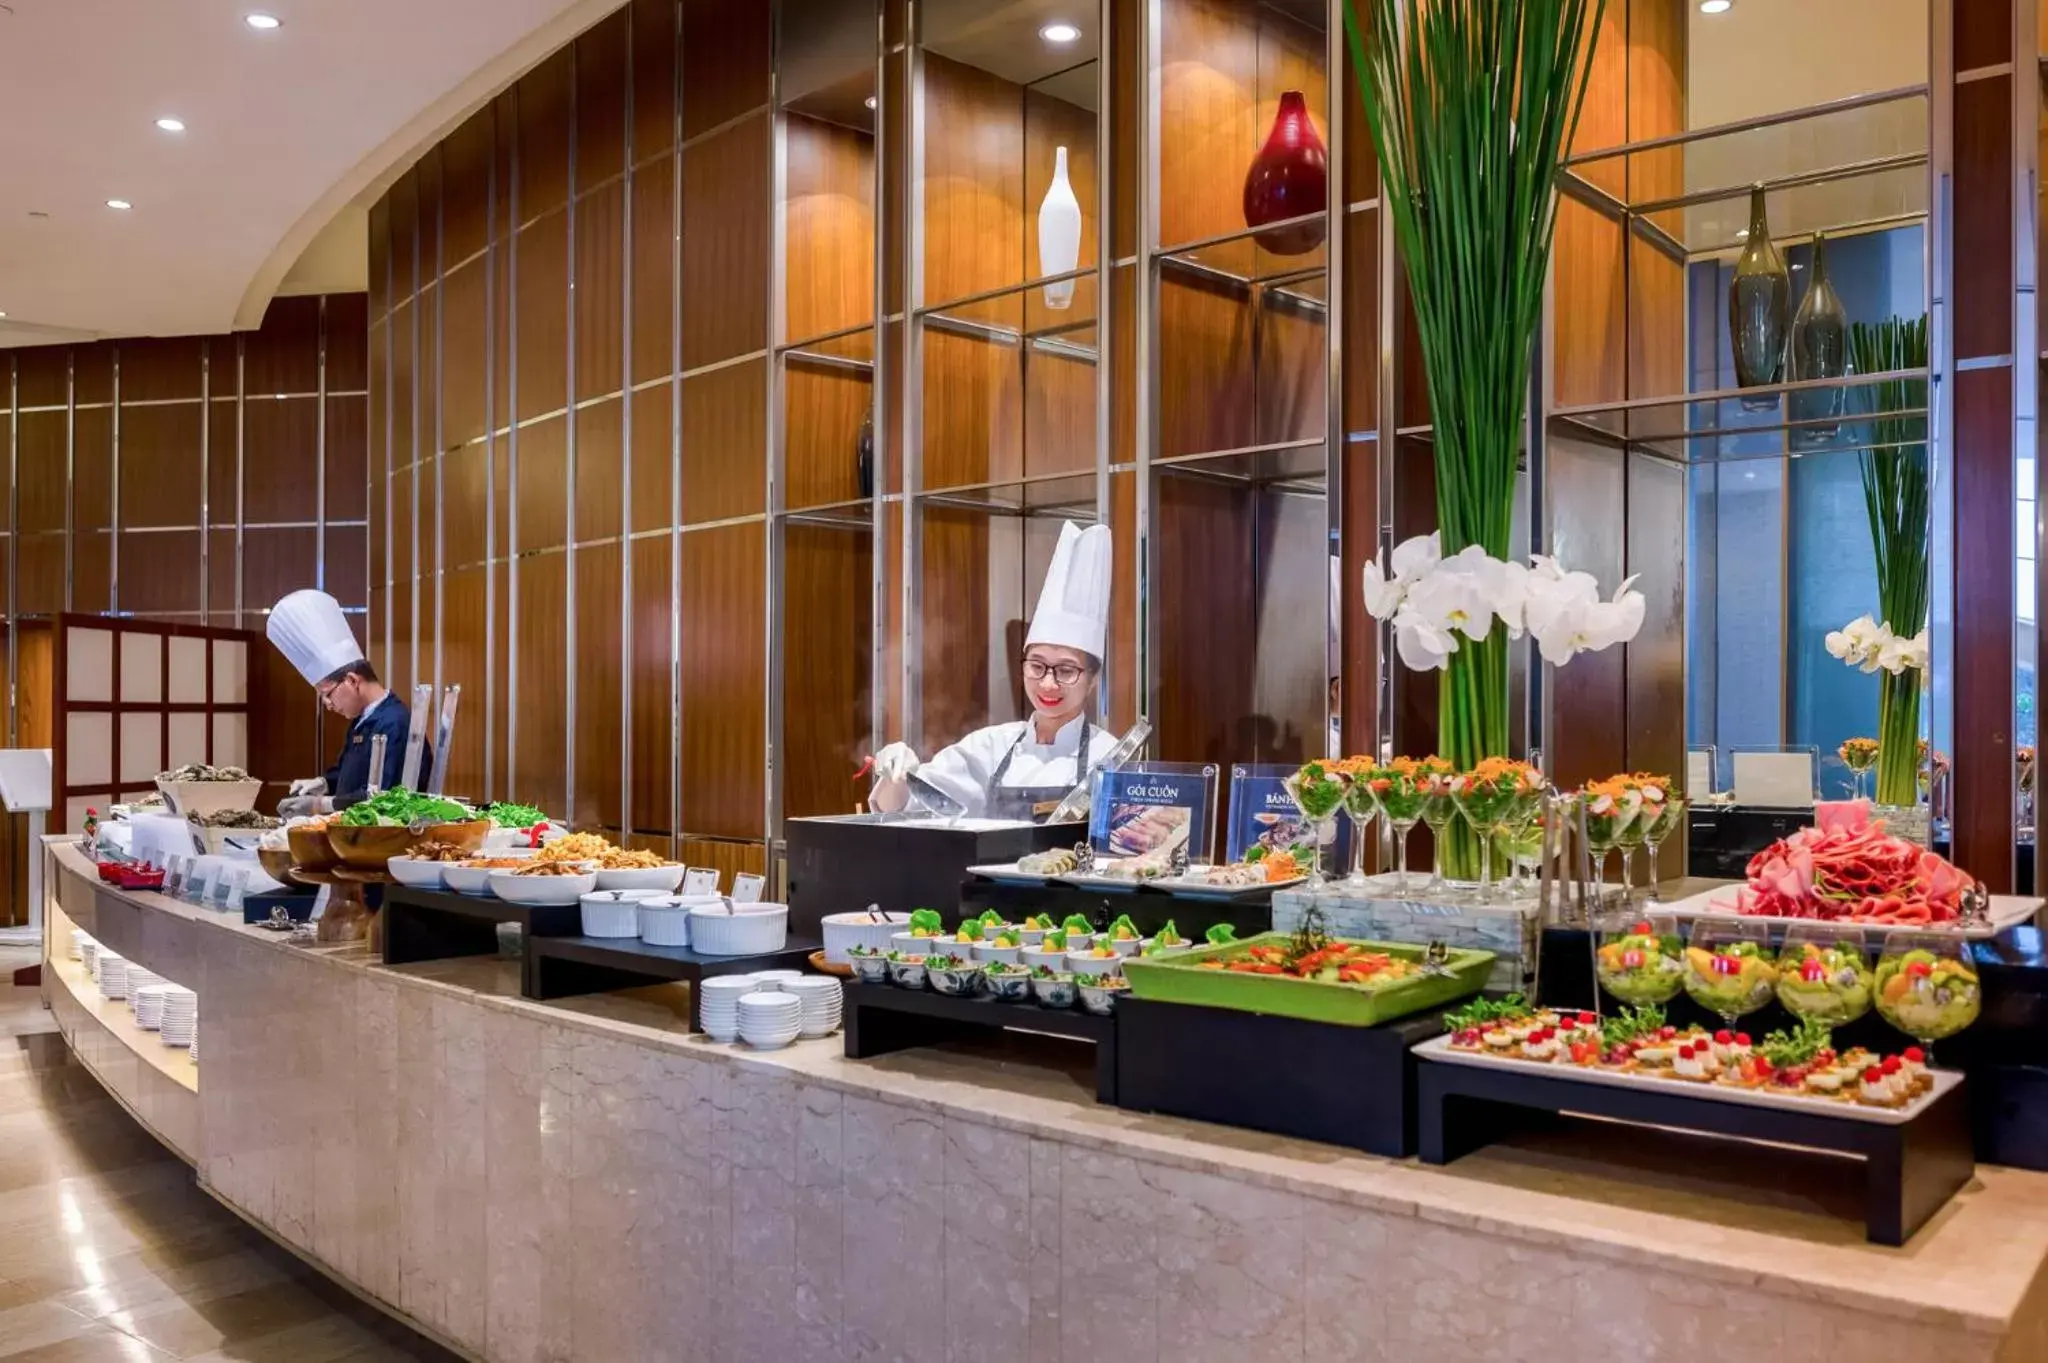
point(477, 880)
point(543, 891)
point(739, 929)
point(654, 879)
point(612, 913)
point(1127, 946)
point(918, 946)
point(420, 875)
point(1031, 936)
point(665, 918)
point(1037, 957)
point(1081, 964)
point(843, 930)
point(188, 798)
point(989, 951)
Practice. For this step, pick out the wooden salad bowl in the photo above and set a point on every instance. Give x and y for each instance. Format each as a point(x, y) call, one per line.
point(276, 862)
point(370, 847)
point(468, 836)
point(311, 849)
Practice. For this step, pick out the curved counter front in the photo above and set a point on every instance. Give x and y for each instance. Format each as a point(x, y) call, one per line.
point(584, 1180)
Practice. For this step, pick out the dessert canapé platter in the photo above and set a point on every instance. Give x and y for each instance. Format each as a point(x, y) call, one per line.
point(1636, 1049)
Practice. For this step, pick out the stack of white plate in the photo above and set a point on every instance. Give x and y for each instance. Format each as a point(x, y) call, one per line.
point(822, 999)
point(78, 941)
point(194, 1047)
point(149, 1006)
point(113, 973)
point(718, 1004)
point(181, 1015)
point(777, 979)
point(88, 956)
point(138, 978)
point(770, 1020)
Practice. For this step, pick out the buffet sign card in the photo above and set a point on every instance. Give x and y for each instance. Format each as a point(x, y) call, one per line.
point(747, 887)
point(1152, 808)
point(1262, 813)
point(174, 875)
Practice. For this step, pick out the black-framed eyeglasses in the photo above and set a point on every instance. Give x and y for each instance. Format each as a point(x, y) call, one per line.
point(1066, 674)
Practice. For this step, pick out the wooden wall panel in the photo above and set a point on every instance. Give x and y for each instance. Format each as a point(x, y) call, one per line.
point(600, 280)
point(724, 612)
point(725, 250)
point(654, 271)
point(278, 438)
point(345, 564)
point(599, 463)
point(283, 356)
point(726, 53)
point(466, 187)
point(40, 589)
point(158, 369)
point(543, 306)
point(465, 315)
point(463, 597)
point(823, 409)
point(161, 482)
point(600, 665)
point(92, 468)
point(973, 181)
point(727, 858)
point(346, 317)
point(829, 225)
point(1983, 540)
point(92, 373)
point(652, 457)
point(828, 618)
point(221, 561)
point(1205, 539)
point(652, 650)
point(724, 440)
point(545, 124)
point(538, 718)
point(653, 76)
point(347, 458)
point(41, 452)
point(954, 630)
point(541, 486)
point(160, 572)
point(601, 83)
point(971, 415)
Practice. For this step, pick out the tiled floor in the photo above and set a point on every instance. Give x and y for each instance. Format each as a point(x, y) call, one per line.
point(109, 1250)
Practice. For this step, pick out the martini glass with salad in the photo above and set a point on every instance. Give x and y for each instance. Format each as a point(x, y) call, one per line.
point(1398, 791)
point(1318, 791)
point(1488, 796)
point(1609, 807)
point(1360, 808)
point(1926, 986)
point(1439, 811)
point(1641, 961)
point(1823, 974)
point(1728, 967)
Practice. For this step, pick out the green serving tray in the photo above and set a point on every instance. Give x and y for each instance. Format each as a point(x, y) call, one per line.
point(1181, 978)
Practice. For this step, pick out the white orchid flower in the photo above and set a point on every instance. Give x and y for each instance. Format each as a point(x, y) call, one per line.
point(1567, 617)
point(1423, 645)
point(1917, 658)
point(1858, 642)
point(1898, 655)
point(1414, 559)
point(1455, 596)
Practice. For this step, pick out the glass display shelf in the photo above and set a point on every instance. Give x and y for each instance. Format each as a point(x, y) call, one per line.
point(1853, 164)
point(1302, 465)
point(1817, 416)
point(1069, 494)
point(855, 514)
point(1236, 261)
point(1023, 314)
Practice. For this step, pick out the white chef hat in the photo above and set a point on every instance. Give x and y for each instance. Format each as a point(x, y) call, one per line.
point(1073, 606)
point(310, 630)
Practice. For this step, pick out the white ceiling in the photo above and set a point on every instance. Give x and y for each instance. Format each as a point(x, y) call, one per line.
point(285, 130)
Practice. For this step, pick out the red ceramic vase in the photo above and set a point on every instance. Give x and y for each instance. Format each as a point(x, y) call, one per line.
point(1289, 177)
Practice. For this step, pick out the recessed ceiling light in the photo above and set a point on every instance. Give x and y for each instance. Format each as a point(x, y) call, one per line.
point(869, 101)
point(267, 22)
point(119, 203)
point(171, 125)
point(1716, 6)
point(1059, 33)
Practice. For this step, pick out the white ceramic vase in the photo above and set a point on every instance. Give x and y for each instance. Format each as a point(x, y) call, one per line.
point(1059, 233)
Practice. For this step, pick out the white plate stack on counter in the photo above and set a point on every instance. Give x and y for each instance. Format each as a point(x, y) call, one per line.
point(89, 957)
point(822, 1000)
point(770, 1018)
point(718, 1003)
point(78, 941)
point(149, 1007)
point(193, 1048)
point(181, 1015)
point(138, 978)
point(113, 973)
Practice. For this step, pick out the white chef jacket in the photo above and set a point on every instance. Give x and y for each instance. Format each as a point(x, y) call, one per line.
point(965, 770)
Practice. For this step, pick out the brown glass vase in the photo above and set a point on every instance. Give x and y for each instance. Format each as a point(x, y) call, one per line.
point(1759, 300)
point(1290, 177)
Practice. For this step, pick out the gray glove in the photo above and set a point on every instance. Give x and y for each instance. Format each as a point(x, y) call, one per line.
point(303, 806)
point(312, 785)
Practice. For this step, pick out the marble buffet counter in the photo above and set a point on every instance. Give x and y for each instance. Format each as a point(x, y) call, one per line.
point(585, 1180)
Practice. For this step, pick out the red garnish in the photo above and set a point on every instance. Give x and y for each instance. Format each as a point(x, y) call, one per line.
point(1667, 1032)
point(1742, 1038)
point(1892, 1064)
point(1587, 1019)
point(1812, 971)
point(1872, 1075)
point(1643, 928)
point(1915, 1054)
point(1723, 1037)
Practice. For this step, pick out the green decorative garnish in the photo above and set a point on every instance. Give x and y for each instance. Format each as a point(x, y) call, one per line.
point(989, 917)
point(1076, 923)
point(1055, 940)
point(1799, 1046)
point(1039, 922)
point(1631, 1023)
point(928, 919)
point(1009, 937)
point(508, 815)
point(1123, 929)
point(1480, 1012)
point(1168, 936)
point(1220, 935)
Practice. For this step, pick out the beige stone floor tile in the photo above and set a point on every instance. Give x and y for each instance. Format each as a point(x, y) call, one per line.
point(330, 1339)
point(192, 1277)
point(37, 1324)
point(184, 1326)
point(100, 1344)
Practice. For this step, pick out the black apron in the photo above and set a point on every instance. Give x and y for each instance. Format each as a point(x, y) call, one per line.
point(1032, 803)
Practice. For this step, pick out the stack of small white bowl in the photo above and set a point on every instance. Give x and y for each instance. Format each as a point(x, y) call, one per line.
point(718, 1003)
point(822, 999)
point(770, 1018)
point(79, 937)
point(113, 973)
point(149, 1007)
point(89, 956)
point(181, 1015)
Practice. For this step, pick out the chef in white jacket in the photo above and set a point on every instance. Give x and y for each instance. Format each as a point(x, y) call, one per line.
point(1022, 769)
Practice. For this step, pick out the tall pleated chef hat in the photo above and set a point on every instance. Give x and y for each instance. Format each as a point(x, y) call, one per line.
point(1073, 606)
point(310, 630)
